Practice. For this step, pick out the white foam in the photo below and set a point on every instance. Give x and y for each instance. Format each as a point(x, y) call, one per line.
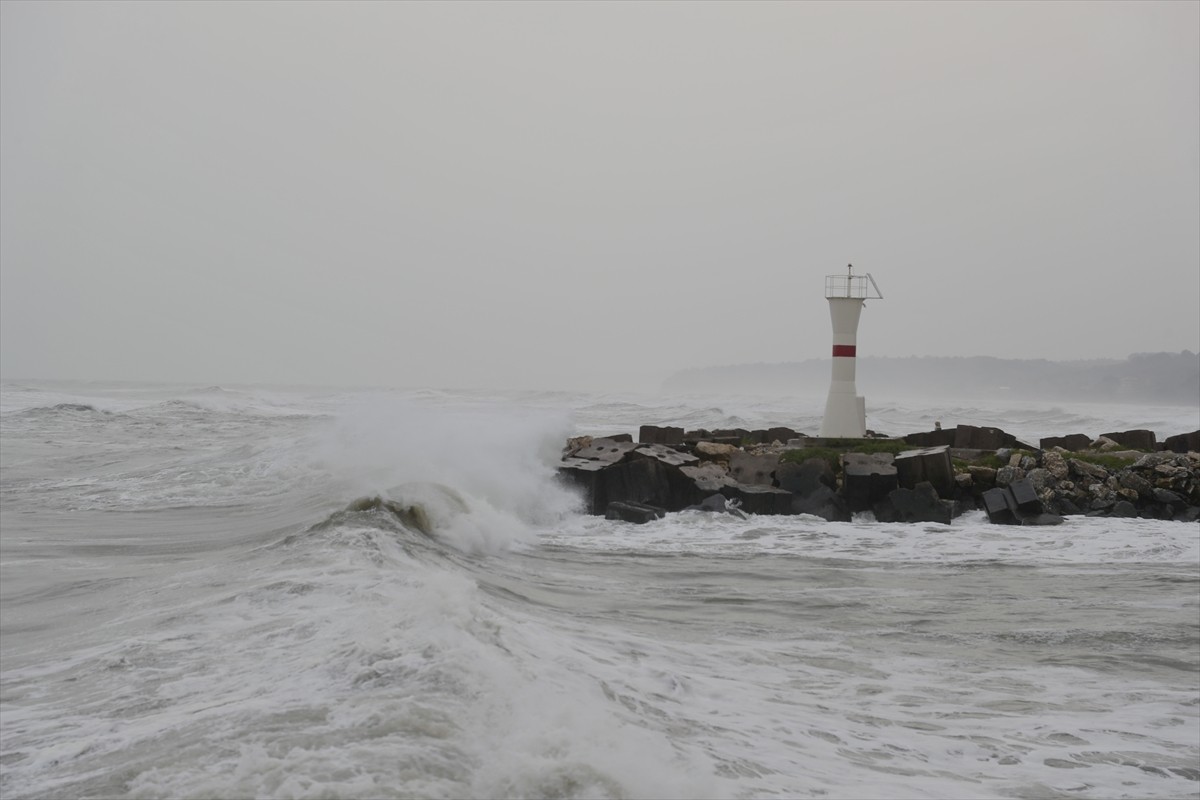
point(501, 461)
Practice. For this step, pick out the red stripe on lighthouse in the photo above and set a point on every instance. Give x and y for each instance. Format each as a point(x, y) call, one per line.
point(843, 351)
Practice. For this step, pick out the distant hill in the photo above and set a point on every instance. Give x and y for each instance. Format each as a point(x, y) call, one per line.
point(1168, 378)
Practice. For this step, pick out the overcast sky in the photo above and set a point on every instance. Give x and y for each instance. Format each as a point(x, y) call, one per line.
point(574, 195)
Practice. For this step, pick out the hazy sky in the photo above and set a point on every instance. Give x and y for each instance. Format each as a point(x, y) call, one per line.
point(574, 195)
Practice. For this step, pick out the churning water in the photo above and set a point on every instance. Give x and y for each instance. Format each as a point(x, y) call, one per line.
point(288, 593)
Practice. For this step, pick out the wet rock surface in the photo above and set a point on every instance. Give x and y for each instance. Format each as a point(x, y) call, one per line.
point(1120, 473)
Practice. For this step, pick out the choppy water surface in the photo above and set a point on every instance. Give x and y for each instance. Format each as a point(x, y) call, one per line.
point(193, 604)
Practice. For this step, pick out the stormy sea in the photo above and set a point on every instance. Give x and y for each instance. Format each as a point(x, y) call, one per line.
point(288, 592)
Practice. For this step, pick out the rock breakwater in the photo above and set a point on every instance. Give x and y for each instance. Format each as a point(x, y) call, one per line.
point(924, 477)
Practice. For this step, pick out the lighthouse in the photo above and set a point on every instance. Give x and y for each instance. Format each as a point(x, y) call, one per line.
point(845, 410)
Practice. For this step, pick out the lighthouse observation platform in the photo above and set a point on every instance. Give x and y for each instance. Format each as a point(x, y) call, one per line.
point(854, 287)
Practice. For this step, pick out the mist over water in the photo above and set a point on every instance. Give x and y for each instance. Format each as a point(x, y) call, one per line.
point(257, 591)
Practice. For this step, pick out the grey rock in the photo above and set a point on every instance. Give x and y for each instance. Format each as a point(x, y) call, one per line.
point(983, 477)
point(1123, 508)
point(1167, 497)
point(637, 513)
point(1135, 483)
point(1007, 474)
point(1056, 465)
point(1086, 470)
point(1189, 514)
point(1102, 497)
point(1040, 479)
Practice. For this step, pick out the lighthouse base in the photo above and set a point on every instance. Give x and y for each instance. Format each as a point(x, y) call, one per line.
point(845, 415)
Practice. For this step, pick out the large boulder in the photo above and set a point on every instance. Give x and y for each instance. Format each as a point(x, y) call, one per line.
point(1086, 470)
point(982, 478)
point(1055, 464)
point(714, 451)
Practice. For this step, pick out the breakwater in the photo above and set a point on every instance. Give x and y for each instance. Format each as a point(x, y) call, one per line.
point(930, 476)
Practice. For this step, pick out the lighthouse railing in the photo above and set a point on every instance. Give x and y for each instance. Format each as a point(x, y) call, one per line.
point(858, 287)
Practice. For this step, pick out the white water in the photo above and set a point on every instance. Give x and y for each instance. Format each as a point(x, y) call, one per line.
point(187, 611)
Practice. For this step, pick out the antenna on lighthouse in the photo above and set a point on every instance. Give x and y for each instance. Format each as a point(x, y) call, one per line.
point(845, 410)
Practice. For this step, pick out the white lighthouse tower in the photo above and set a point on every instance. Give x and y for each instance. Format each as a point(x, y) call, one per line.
point(845, 410)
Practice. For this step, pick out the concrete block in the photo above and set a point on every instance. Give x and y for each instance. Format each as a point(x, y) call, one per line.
point(999, 506)
point(1074, 442)
point(1135, 439)
point(643, 480)
point(654, 434)
point(760, 499)
point(1183, 443)
point(982, 438)
point(753, 470)
point(867, 479)
point(1025, 496)
point(667, 455)
point(607, 450)
point(930, 464)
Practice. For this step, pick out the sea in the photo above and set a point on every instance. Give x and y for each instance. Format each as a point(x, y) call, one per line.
point(295, 592)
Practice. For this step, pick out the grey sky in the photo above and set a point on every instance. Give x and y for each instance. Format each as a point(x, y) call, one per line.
point(578, 195)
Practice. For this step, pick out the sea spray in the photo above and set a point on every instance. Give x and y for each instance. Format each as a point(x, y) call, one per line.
point(500, 463)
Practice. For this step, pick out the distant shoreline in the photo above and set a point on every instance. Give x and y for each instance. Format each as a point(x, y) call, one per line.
point(1164, 378)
